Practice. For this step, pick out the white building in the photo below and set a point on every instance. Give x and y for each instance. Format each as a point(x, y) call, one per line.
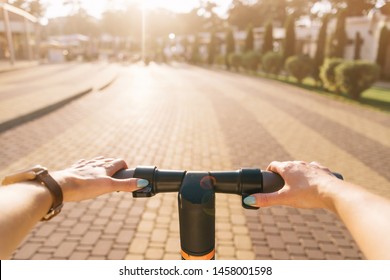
point(18, 34)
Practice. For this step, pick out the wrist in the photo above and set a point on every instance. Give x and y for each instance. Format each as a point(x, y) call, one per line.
point(41, 176)
point(330, 190)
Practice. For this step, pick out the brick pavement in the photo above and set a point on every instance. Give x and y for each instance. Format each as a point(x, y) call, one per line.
point(185, 117)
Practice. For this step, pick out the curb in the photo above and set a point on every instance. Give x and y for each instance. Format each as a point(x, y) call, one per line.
point(51, 107)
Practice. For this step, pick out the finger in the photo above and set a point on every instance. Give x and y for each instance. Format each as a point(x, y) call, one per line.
point(79, 162)
point(129, 185)
point(263, 199)
point(277, 166)
point(98, 158)
point(114, 166)
point(272, 166)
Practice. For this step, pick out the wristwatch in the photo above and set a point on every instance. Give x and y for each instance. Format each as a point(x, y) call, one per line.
point(40, 174)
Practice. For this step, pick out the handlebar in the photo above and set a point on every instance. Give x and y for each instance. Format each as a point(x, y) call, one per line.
point(243, 182)
point(196, 198)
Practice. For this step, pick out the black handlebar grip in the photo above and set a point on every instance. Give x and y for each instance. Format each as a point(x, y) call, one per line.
point(124, 174)
point(273, 182)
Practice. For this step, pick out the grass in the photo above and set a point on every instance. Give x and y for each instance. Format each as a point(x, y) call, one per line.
point(375, 97)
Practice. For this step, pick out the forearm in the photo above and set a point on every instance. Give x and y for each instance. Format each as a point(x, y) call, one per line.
point(366, 216)
point(22, 205)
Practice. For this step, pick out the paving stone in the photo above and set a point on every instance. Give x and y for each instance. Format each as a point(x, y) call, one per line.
point(79, 255)
point(245, 255)
point(65, 250)
point(275, 242)
point(116, 254)
point(133, 256)
point(242, 242)
point(91, 237)
point(170, 256)
point(80, 229)
point(159, 235)
point(314, 254)
point(280, 254)
point(226, 251)
point(46, 230)
point(28, 251)
point(55, 239)
point(172, 245)
point(102, 248)
point(138, 245)
point(154, 254)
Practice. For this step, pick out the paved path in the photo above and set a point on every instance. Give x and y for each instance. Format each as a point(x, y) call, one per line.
point(33, 91)
point(186, 117)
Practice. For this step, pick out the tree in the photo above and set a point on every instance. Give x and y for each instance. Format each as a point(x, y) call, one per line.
point(289, 40)
point(320, 51)
point(195, 58)
point(381, 56)
point(358, 46)
point(33, 7)
point(230, 46)
point(268, 42)
point(212, 48)
point(339, 38)
point(235, 60)
point(249, 40)
point(353, 7)
point(211, 19)
point(241, 14)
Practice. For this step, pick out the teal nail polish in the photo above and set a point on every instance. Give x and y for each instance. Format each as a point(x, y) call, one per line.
point(142, 183)
point(250, 200)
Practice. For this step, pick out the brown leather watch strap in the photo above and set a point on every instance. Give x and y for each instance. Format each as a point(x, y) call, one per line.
point(44, 177)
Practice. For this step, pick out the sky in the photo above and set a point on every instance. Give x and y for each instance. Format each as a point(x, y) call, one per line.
point(97, 7)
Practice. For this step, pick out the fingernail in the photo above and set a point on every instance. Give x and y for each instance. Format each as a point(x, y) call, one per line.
point(142, 183)
point(250, 200)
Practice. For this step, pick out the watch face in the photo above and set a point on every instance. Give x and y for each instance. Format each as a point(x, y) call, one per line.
point(23, 175)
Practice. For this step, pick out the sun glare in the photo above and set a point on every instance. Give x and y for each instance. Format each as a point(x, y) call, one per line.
point(97, 7)
point(172, 5)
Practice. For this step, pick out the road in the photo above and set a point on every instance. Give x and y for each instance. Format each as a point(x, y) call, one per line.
point(186, 117)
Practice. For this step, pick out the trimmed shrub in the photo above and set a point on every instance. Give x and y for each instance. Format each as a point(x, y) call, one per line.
point(219, 60)
point(251, 60)
point(299, 66)
point(354, 77)
point(272, 62)
point(235, 60)
point(327, 74)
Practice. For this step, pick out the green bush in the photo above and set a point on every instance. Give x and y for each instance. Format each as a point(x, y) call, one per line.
point(251, 60)
point(299, 66)
point(235, 60)
point(272, 62)
point(354, 77)
point(219, 60)
point(327, 74)
point(195, 58)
